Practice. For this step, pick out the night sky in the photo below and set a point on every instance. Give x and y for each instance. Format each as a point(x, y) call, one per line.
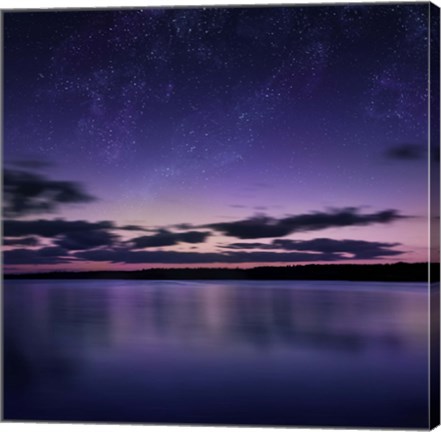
point(215, 136)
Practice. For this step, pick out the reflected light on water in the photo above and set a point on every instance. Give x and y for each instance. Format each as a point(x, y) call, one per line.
point(217, 352)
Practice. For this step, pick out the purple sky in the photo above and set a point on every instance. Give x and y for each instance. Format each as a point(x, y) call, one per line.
point(248, 125)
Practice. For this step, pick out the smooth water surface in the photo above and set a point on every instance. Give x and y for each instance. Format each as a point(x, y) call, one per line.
point(216, 352)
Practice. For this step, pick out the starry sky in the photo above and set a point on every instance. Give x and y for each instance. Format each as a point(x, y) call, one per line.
point(215, 136)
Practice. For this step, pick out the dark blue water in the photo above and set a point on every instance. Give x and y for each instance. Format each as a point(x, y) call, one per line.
point(217, 352)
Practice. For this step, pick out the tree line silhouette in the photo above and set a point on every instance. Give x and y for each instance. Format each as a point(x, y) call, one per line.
point(397, 272)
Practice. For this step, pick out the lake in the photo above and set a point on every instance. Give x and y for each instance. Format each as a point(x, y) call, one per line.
point(217, 352)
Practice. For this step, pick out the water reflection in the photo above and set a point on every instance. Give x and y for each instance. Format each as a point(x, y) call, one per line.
point(216, 352)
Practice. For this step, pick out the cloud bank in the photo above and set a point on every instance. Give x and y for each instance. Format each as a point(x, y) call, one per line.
point(76, 241)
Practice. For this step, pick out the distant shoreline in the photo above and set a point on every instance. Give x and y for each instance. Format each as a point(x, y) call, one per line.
point(398, 272)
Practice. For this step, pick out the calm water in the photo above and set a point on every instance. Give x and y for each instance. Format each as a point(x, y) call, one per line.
point(229, 352)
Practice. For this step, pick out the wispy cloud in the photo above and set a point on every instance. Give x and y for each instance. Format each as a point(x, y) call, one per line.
point(262, 226)
point(354, 249)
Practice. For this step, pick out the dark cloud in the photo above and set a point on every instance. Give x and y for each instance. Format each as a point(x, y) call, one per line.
point(360, 249)
point(21, 241)
point(406, 152)
point(166, 238)
point(183, 226)
point(51, 228)
point(29, 193)
point(79, 240)
point(133, 228)
point(71, 235)
point(81, 234)
point(254, 227)
point(357, 249)
point(248, 246)
point(52, 251)
point(124, 255)
point(262, 226)
point(319, 250)
point(49, 255)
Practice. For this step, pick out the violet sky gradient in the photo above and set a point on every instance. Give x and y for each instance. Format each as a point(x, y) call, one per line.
point(214, 116)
